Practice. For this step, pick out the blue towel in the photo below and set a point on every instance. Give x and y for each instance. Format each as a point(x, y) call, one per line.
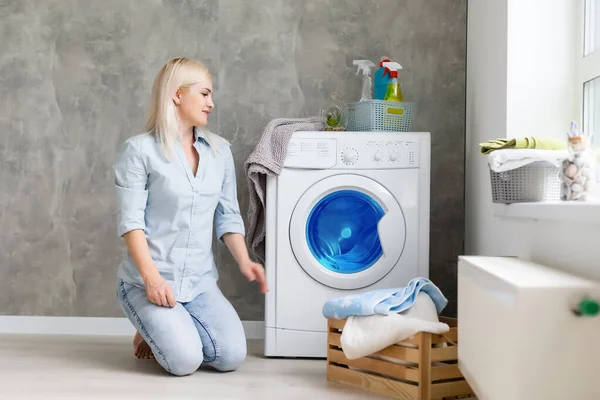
point(384, 301)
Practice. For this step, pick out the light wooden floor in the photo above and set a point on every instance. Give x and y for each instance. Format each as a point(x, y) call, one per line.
point(83, 367)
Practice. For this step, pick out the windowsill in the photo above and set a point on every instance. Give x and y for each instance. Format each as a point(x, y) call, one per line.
point(554, 211)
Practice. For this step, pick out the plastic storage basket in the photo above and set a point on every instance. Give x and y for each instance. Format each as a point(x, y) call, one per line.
point(379, 115)
point(539, 181)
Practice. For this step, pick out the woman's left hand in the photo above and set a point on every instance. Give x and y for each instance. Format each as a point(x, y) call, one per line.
point(255, 272)
point(251, 270)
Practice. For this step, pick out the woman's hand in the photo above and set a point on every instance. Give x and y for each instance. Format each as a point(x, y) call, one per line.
point(251, 270)
point(159, 291)
point(255, 272)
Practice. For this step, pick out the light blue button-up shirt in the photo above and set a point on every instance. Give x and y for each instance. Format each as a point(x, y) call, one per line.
point(176, 210)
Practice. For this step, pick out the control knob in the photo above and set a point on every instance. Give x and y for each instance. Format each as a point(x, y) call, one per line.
point(349, 156)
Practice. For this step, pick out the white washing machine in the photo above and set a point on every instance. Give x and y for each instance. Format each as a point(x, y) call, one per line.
point(348, 213)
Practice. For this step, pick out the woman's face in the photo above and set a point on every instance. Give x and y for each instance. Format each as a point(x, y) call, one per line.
point(195, 103)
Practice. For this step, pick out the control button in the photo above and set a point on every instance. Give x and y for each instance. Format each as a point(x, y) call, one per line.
point(394, 156)
point(377, 156)
point(350, 155)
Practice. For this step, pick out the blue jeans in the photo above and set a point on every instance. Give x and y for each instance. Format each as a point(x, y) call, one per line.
point(206, 329)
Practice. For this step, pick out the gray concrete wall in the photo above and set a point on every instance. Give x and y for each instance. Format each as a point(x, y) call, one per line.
point(75, 79)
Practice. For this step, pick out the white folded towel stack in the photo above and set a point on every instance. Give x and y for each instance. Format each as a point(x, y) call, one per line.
point(509, 159)
point(365, 335)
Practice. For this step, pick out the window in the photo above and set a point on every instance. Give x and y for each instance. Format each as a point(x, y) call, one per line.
point(588, 72)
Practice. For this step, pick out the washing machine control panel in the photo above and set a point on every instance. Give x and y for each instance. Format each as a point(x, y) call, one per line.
point(393, 152)
point(312, 153)
point(350, 152)
point(380, 154)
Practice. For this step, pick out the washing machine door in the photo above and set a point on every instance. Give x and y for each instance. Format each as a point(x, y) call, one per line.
point(347, 231)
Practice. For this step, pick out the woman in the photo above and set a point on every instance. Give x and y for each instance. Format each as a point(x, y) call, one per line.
point(172, 183)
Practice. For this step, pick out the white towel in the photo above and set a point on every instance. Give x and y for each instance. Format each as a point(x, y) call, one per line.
point(267, 159)
point(509, 159)
point(365, 335)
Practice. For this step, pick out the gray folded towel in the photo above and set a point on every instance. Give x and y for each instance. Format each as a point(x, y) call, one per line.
point(267, 159)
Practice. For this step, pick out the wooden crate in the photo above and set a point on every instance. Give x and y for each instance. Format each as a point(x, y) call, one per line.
point(421, 368)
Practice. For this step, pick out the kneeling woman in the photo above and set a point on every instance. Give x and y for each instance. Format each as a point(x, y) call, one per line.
point(173, 182)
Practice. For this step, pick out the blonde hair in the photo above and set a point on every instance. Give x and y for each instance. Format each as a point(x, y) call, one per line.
point(162, 119)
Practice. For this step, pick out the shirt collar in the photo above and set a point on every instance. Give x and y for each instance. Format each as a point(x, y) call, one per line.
point(200, 135)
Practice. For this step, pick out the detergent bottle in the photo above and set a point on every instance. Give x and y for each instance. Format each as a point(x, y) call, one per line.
point(365, 66)
point(393, 92)
point(381, 80)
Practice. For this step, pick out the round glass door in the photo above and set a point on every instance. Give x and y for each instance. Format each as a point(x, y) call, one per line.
point(341, 231)
point(347, 231)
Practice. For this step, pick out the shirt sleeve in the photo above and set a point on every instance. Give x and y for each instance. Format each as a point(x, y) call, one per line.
point(227, 214)
point(131, 181)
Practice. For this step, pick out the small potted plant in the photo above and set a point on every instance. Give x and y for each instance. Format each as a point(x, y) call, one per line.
point(333, 116)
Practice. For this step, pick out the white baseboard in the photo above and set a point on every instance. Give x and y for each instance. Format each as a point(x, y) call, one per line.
point(33, 325)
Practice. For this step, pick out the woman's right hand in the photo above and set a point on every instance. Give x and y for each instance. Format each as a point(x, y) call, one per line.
point(159, 291)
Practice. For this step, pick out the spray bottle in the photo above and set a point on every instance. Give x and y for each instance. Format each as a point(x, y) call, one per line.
point(365, 66)
point(381, 79)
point(393, 92)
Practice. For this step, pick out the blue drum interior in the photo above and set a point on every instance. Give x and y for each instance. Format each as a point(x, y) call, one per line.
point(341, 231)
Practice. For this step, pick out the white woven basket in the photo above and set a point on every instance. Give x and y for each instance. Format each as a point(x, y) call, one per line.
point(539, 181)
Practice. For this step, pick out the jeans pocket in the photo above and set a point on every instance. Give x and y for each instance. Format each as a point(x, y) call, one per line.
point(123, 288)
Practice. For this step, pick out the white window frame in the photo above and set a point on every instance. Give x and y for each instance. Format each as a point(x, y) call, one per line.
point(588, 67)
